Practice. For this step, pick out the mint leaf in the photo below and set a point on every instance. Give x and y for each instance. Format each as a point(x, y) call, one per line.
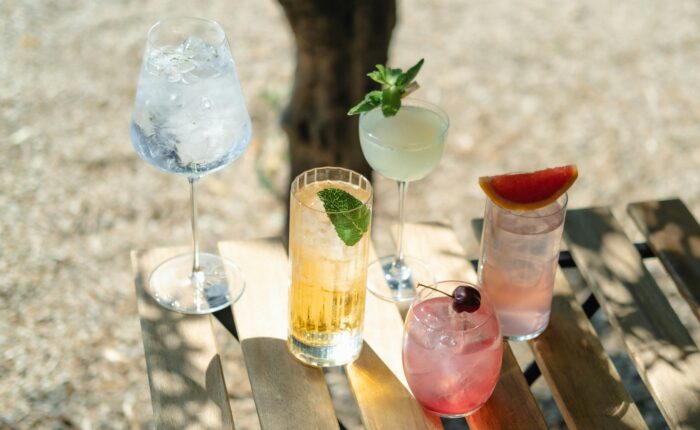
point(391, 101)
point(371, 101)
point(363, 106)
point(349, 216)
point(377, 75)
point(382, 71)
point(392, 75)
point(395, 85)
point(405, 79)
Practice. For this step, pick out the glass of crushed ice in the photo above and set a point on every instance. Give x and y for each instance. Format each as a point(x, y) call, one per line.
point(190, 118)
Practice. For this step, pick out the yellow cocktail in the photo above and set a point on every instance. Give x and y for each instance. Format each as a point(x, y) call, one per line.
point(329, 237)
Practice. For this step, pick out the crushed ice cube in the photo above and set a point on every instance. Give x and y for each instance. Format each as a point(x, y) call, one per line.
point(447, 340)
point(188, 62)
point(424, 336)
point(169, 63)
point(431, 318)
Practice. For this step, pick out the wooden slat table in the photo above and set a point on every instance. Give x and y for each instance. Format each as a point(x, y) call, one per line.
point(191, 384)
point(568, 353)
point(674, 237)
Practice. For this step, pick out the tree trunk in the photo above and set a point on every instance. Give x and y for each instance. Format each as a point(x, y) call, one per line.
point(338, 42)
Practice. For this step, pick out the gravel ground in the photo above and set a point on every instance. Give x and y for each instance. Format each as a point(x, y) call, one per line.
point(610, 86)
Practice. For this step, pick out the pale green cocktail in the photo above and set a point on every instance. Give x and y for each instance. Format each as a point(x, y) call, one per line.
point(404, 147)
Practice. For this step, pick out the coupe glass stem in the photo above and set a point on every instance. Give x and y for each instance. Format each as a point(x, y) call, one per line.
point(403, 185)
point(195, 232)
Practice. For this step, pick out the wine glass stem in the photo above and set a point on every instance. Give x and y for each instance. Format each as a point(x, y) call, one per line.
point(403, 185)
point(195, 230)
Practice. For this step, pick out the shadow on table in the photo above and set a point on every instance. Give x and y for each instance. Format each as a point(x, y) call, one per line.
point(184, 369)
point(654, 336)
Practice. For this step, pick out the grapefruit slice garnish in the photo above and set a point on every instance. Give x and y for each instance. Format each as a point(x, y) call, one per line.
point(526, 191)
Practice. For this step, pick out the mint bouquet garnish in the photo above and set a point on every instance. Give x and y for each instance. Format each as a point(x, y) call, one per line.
point(349, 216)
point(395, 84)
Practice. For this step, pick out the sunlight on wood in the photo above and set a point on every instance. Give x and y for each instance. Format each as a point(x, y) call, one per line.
point(622, 259)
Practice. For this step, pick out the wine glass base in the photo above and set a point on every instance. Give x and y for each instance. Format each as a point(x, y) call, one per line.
point(396, 282)
point(216, 285)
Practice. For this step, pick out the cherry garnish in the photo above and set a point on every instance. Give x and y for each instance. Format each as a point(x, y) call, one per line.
point(465, 298)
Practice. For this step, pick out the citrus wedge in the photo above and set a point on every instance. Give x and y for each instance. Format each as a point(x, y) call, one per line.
point(526, 191)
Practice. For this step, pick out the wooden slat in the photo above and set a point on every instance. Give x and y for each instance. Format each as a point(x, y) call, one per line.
point(673, 235)
point(377, 378)
point(287, 393)
point(383, 328)
point(512, 405)
point(583, 380)
point(383, 401)
point(436, 244)
point(240, 394)
point(184, 369)
point(659, 345)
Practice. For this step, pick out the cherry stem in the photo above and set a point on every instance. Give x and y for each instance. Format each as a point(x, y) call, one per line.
point(435, 289)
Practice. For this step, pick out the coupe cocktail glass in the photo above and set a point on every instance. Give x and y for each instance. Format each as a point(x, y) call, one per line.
point(405, 147)
point(190, 118)
point(519, 256)
point(452, 360)
point(327, 296)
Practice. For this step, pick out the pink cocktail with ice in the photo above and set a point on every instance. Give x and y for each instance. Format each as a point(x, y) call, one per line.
point(519, 256)
point(452, 354)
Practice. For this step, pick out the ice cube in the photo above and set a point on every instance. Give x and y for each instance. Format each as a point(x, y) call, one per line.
point(193, 45)
point(448, 387)
point(208, 60)
point(169, 63)
point(188, 62)
point(448, 340)
point(423, 335)
point(157, 61)
point(431, 317)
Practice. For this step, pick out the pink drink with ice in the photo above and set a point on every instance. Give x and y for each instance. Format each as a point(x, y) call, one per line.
point(451, 359)
point(519, 255)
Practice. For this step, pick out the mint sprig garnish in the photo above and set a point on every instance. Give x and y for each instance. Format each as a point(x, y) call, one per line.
point(349, 216)
point(395, 84)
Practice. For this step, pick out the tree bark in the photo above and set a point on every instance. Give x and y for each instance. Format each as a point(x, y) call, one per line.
point(337, 43)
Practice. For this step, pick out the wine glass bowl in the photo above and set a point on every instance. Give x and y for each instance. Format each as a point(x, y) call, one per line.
point(407, 146)
point(190, 119)
point(189, 113)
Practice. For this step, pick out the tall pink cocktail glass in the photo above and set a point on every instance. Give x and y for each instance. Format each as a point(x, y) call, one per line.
point(519, 256)
point(451, 359)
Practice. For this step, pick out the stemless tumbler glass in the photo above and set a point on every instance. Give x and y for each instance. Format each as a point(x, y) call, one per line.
point(519, 256)
point(329, 273)
point(451, 359)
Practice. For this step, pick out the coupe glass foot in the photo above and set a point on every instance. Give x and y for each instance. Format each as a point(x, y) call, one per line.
point(396, 282)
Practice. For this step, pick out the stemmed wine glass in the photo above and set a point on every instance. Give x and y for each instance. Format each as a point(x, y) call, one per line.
point(405, 147)
point(190, 118)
